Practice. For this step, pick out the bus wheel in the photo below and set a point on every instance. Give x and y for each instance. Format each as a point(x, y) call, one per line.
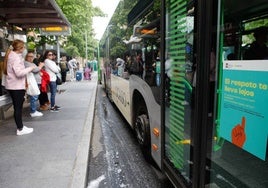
point(142, 130)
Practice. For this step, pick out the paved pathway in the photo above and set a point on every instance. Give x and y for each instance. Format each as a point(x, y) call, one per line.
point(56, 153)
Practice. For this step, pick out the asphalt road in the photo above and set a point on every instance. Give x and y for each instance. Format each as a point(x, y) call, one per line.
point(115, 157)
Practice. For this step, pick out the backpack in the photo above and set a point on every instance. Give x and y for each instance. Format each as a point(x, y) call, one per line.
point(63, 66)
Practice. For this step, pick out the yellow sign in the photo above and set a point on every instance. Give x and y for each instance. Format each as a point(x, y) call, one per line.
point(145, 31)
point(148, 31)
point(55, 30)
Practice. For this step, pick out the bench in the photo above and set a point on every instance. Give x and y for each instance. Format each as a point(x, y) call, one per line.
point(5, 104)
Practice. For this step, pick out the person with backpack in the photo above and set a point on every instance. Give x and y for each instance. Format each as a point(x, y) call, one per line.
point(64, 68)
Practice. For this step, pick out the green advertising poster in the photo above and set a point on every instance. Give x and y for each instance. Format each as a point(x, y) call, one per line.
point(244, 110)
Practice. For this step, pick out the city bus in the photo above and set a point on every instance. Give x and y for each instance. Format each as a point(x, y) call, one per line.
point(198, 107)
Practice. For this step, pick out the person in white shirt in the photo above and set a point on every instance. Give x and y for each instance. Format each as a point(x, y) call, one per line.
point(120, 65)
point(52, 69)
point(72, 65)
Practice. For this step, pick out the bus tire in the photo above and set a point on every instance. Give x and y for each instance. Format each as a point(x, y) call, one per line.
point(142, 131)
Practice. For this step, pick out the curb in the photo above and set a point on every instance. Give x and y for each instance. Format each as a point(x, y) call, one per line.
point(79, 177)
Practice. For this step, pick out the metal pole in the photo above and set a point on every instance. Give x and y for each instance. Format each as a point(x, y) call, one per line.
point(86, 44)
point(58, 49)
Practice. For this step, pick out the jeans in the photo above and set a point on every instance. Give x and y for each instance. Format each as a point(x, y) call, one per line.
point(17, 97)
point(53, 91)
point(33, 100)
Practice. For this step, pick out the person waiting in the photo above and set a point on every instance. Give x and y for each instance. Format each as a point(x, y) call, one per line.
point(258, 49)
point(15, 75)
point(36, 71)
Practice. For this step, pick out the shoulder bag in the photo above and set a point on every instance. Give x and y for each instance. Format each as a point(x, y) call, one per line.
point(32, 87)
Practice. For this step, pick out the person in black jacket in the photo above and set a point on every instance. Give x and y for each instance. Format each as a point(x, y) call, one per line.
point(258, 49)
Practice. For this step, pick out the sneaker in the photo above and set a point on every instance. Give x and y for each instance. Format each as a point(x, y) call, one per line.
point(58, 107)
point(44, 107)
point(25, 130)
point(28, 128)
point(36, 114)
point(54, 109)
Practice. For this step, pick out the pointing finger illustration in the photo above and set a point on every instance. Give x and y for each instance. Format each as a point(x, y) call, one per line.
point(238, 133)
point(243, 123)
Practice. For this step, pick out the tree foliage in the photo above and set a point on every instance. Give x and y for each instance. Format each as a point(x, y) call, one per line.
point(72, 51)
point(118, 29)
point(251, 26)
point(80, 14)
point(34, 42)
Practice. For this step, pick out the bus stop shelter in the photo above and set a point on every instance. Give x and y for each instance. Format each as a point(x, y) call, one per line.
point(32, 14)
point(25, 14)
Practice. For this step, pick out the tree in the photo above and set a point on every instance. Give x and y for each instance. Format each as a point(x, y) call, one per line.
point(248, 39)
point(80, 13)
point(34, 41)
point(72, 51)
point(118, 29)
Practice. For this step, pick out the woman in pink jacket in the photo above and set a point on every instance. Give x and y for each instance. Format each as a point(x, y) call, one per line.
point(15, 72)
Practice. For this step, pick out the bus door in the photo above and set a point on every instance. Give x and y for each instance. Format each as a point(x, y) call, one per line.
point(238, 157)
point(179, 79)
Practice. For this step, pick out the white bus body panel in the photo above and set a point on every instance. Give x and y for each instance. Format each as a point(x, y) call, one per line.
point(154, 112)
point(121, 96)
point(122, 92)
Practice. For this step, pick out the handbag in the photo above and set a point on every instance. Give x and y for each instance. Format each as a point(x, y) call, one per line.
point(32, 87)
point(58, 79)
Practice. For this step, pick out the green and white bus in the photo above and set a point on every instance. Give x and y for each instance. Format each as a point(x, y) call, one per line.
point(199, 108)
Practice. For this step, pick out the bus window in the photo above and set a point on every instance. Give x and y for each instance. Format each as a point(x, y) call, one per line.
point(256, 48)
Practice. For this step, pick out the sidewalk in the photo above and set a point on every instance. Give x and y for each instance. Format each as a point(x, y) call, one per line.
point(56, 154)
